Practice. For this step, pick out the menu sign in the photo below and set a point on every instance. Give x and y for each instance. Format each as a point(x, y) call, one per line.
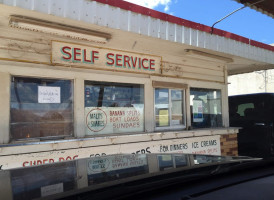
point(113, 120)
point(104, 59)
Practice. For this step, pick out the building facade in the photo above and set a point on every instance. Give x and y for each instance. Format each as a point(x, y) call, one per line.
point(88, 78)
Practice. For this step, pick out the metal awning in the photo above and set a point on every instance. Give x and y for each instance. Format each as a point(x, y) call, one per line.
point(265, 6)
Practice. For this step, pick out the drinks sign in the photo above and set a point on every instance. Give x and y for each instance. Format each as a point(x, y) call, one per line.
point(105, 59)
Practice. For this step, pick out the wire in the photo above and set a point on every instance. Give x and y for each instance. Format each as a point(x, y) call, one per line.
point(212, 27)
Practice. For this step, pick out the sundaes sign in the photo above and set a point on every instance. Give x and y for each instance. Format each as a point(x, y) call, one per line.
point(113, 120)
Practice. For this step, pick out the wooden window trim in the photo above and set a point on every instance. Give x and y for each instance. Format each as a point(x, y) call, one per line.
point(171, 85)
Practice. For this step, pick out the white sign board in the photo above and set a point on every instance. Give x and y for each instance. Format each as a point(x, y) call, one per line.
point(208, 145)
point(114, 120)
point(49, 94)
point(104, 59)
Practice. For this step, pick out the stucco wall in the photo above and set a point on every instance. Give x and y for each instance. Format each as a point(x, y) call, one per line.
point(255, 82)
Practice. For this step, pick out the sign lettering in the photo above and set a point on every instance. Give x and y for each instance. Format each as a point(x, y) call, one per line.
point(209, 145)
point(106, 59)
point(113, 120)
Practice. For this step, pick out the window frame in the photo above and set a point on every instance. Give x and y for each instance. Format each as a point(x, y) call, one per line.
point(221, 90)
point(57, 137)
point(119, 84)
point(170, 86)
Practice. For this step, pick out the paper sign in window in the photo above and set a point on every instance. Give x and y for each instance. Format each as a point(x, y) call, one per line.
point(198, 111)
point(49, 94)
point(163, 94)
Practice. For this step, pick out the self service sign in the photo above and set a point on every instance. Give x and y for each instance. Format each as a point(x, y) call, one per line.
point(104, 59)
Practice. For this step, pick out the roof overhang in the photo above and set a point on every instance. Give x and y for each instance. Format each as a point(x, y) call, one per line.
point(264, 6)
point(143, 30)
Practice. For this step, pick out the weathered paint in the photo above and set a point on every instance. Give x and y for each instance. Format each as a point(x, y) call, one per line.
point(129, 17)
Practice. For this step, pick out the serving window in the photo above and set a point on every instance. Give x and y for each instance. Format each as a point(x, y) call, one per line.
point(206, 108)
point(41, 108)
point(113, 108)
point(169, 106)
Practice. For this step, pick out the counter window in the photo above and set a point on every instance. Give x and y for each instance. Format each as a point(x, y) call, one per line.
point(41, 108)
point(206, 108)
point(169, 108)
point(113, 108)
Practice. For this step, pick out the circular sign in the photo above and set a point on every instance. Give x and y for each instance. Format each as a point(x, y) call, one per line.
point(96, 120)
point(98, 165)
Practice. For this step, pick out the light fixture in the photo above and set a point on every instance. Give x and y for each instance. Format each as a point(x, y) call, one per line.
point(207, 56)
point(43, 26)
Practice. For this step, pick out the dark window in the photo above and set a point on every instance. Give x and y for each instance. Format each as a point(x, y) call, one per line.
point(42, 181)
point(41, 108)
point(251, 107)
point(206, 108)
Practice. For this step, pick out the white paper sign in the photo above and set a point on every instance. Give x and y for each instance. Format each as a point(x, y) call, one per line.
point(49, 94)
point(163, 95)
point(198, 111)
point(52, 189)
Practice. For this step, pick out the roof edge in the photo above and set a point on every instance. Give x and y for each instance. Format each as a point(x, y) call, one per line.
point(183, 22)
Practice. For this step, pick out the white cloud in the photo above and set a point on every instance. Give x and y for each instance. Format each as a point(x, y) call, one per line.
point(166, 8)
point(152, 3)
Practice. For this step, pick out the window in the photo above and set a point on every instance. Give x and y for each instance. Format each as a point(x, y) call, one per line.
point(244, 108)
point(250, 107)
point(41, 108)
point(115, 167)
point(206, 109)
point(113, 108)
point(169, 161)
point(40, 182)
point(169, 108)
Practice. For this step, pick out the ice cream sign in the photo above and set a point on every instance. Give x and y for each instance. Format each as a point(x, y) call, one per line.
point(106, 120)
point(105, 59)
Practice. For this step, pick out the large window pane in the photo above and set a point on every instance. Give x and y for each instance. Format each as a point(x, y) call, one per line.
point(113, 108)
point(177, 107)
point(162, 107)
point(42, 181)
point(206, 108)
point(41, 108)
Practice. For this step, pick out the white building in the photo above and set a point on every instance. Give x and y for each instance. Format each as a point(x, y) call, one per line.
point(84, 78)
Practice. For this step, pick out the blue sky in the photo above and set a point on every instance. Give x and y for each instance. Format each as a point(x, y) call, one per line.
point(246, 22)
